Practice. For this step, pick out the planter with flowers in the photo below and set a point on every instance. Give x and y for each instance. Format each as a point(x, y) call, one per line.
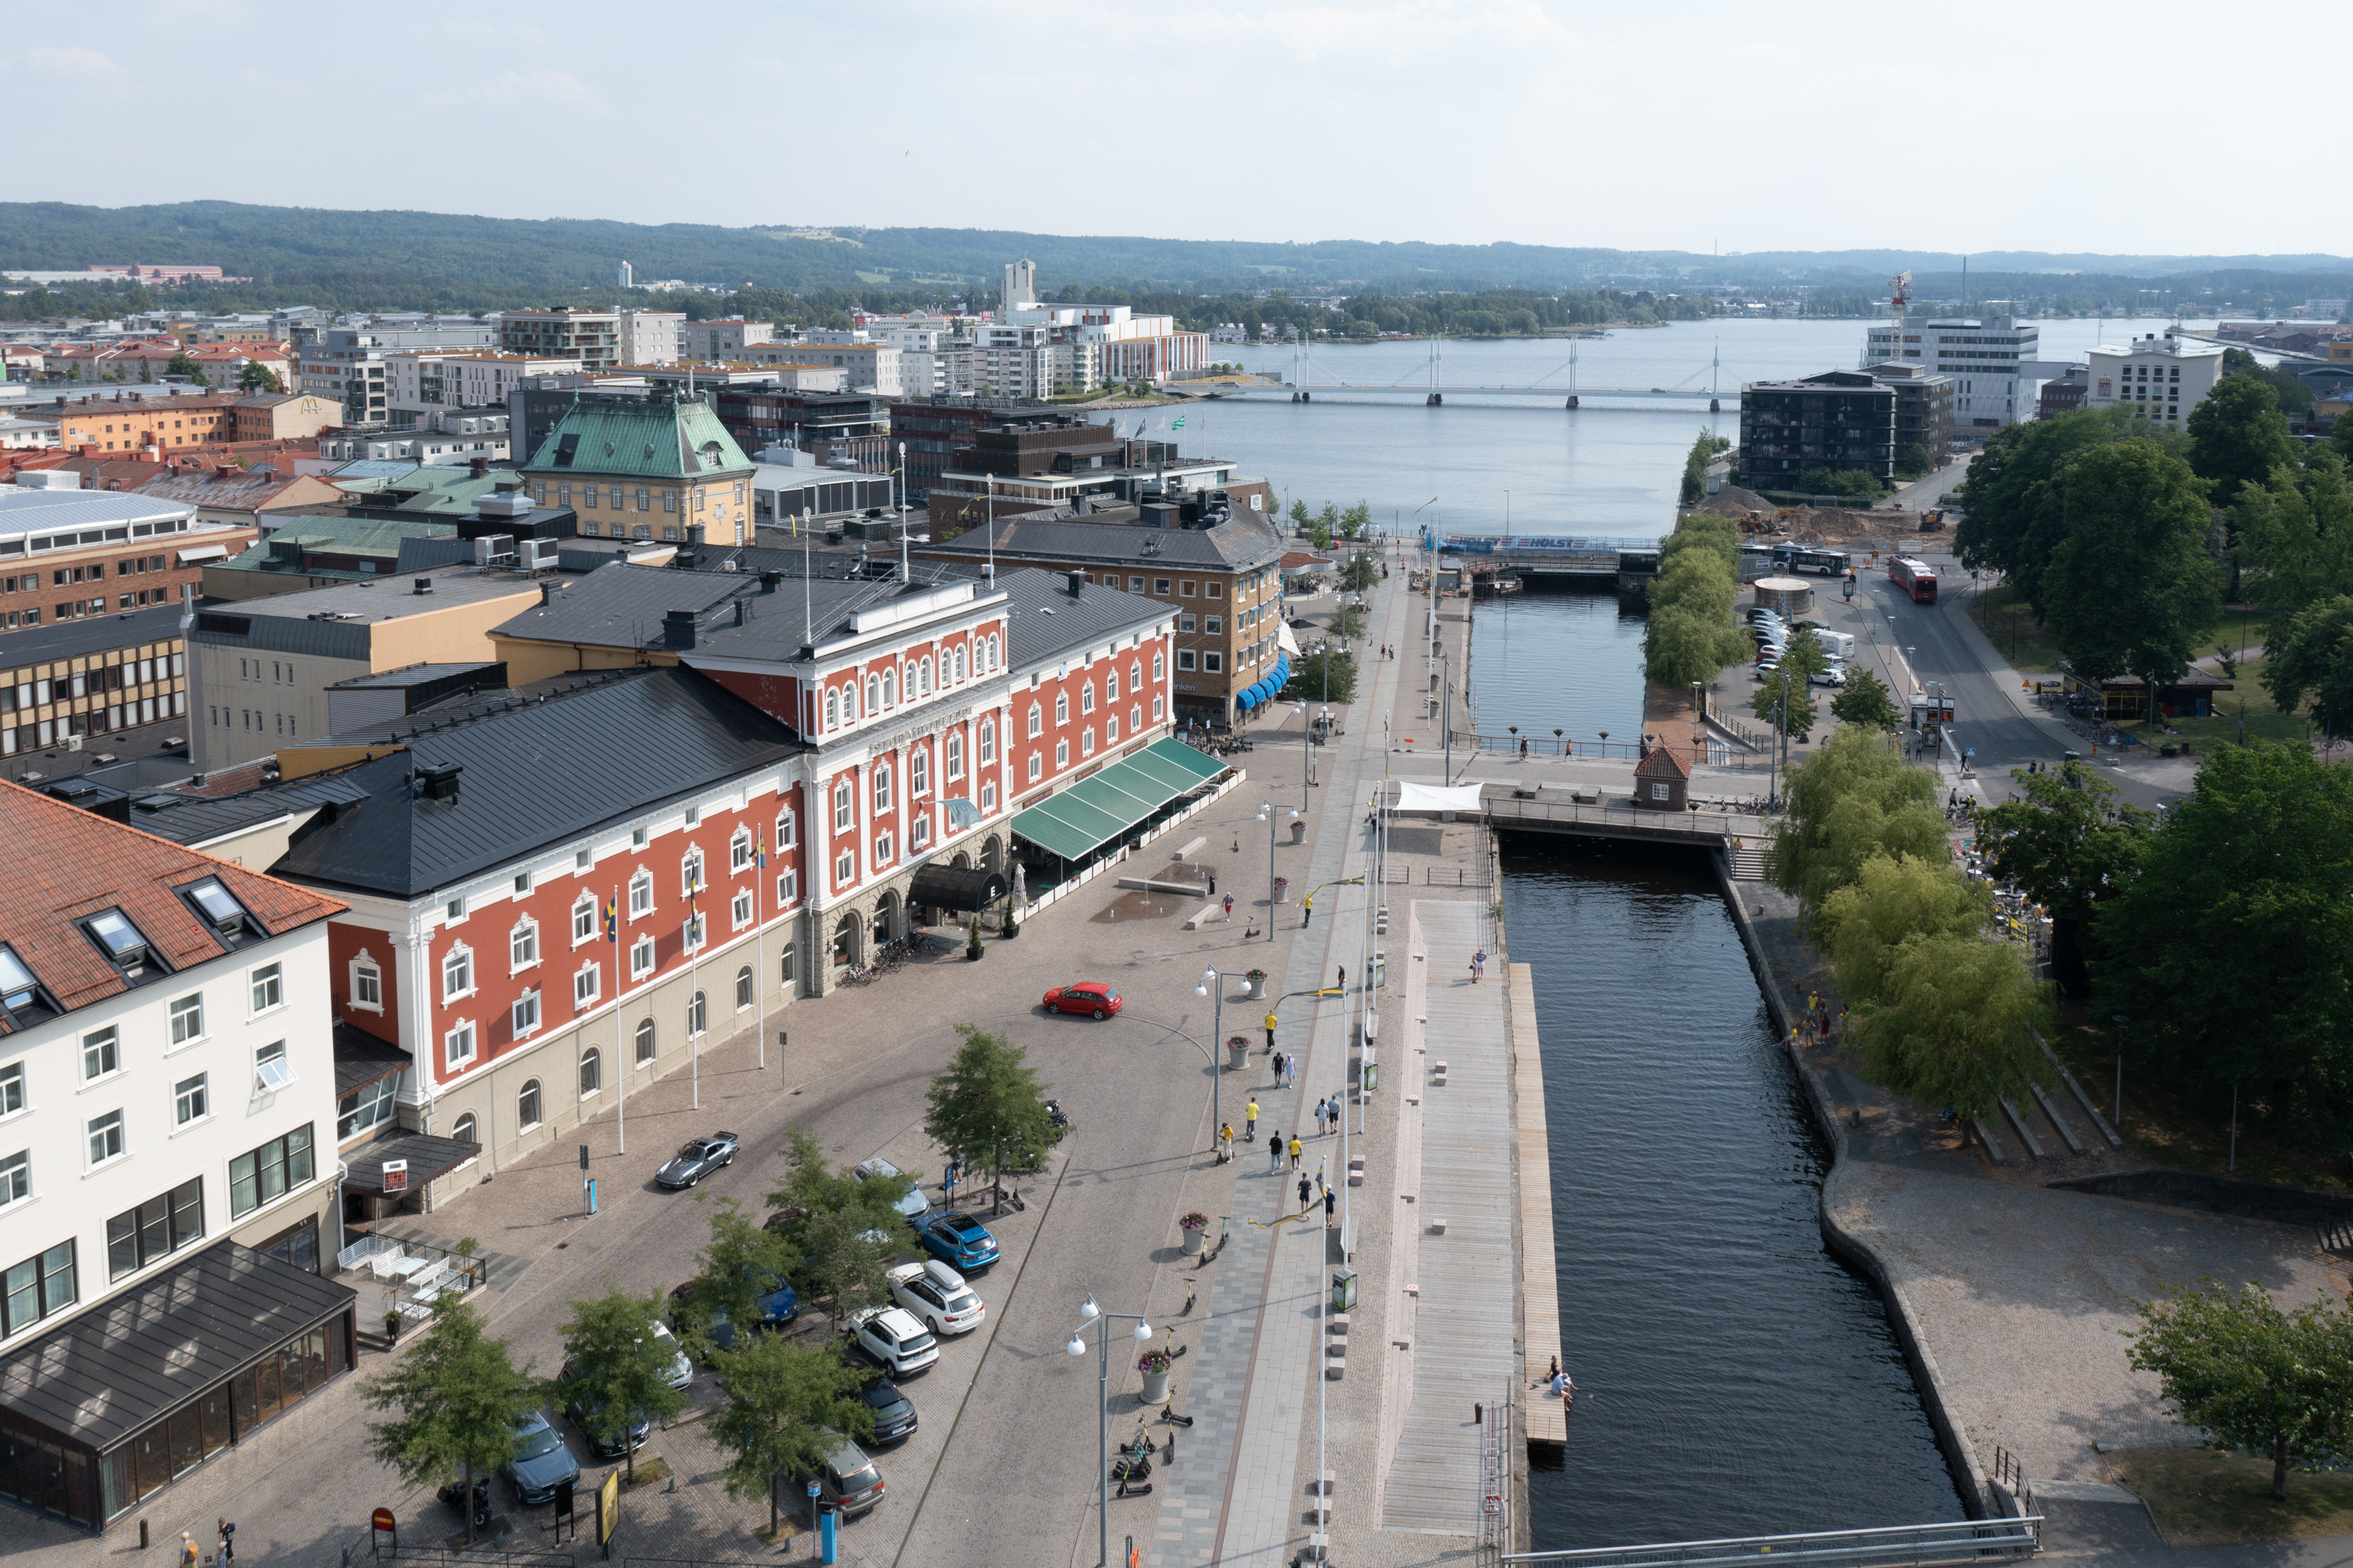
point(1153, 1364)
point(1194, 1225)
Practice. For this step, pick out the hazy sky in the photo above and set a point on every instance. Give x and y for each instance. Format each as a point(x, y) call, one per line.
point(2044, 126)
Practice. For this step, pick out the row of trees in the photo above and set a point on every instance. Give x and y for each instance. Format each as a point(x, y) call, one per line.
point(1331, 523)
point(1937, 1009)
point(1689, 635)
point(452, 1400)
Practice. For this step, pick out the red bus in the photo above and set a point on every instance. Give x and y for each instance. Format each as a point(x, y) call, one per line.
point(1913, 577)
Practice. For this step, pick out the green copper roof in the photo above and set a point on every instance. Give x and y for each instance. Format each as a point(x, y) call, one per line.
point(633, 437)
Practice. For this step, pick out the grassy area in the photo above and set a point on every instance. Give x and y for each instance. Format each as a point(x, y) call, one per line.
point(2264, 720)
point(2010, 625)
point(2185, 1131)
point(2201, 1498)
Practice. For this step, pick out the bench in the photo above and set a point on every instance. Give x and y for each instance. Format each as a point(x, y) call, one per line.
point(1190, 850)
point(432, 1282)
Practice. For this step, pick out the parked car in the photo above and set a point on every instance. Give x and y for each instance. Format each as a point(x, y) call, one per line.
point(848, 1480)
point(698, 1158)
point(779, 1304)
point(960, 1241)
point(543, 1461)
point(914, 1206)
point(939, 1296)
point(1091, 997)
point(894, 1412)
point(634, 1436)
point(1832, 676)
point(681, 1370)
point(898, 1343)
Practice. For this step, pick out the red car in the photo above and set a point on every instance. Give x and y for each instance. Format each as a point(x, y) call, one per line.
point(1090, 997)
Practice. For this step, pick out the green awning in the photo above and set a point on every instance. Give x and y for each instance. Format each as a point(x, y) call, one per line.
point(1076, 822)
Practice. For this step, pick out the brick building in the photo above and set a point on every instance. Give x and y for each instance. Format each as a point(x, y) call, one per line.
point(69, 553)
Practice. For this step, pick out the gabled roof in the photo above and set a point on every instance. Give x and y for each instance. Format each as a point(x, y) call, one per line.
point(88, 865)
point(660, 436)
point(243, 490)
point(1662, 763)
point(534, 774)
point(1241, 543)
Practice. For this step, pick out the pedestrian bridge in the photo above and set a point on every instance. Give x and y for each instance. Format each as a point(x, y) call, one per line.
point(1588, 814)
point(1899, 1546)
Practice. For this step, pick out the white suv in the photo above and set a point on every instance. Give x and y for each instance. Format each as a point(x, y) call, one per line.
point(892, 1337)
point(939, 1296)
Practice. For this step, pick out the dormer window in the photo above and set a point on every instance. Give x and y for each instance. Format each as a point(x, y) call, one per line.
point(123, 944)
point(19, 989)
point(229, 921)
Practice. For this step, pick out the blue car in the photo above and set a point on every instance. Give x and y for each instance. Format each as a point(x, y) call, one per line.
point(542, 1463)
point(961, 1242)
point(777, 1306)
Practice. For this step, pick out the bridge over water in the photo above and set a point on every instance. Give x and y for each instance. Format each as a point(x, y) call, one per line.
point(1629, 563)
point(1301, 385)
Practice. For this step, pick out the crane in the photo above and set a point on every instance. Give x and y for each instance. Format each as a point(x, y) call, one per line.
point(1899, 288)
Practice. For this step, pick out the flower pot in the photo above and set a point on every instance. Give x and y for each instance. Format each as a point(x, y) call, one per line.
point(974, 953)
point(1156, 1387)
point(1237, 1054)
point(1282, 890)
point(1193, 1243)
point(1257, 984)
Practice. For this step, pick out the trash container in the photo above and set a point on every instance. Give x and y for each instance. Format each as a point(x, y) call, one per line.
point(1344, 1291)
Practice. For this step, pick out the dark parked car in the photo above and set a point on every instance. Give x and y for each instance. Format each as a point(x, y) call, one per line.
point(959, 1241)
point(778, 1304)
point(543, 1461)
point(894, 1412)
point(697, 1158)
point(612, 1447)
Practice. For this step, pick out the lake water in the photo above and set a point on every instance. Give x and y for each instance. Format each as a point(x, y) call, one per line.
point(1735, 1378)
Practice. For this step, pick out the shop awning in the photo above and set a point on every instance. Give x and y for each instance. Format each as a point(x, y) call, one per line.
point(957, 888)
point(113, 1370)
point(195, 553)
point(1082, 819)
point(428, 1158)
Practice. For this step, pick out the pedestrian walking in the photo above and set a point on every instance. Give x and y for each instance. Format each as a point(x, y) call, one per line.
point(227, 1540)
point(1274, 1151)
point(1344, 977)
point(1295, 1148)
point(1306, 1194)
point(188, 1554)
point(1307, 913)
point(1475, 972)
point(1225, 1142)
point(1331, 1201)
point(1229, 903)
point(1249, 1121)
point(1290, 1072)
point(1213, 890)
point(1270, 1032)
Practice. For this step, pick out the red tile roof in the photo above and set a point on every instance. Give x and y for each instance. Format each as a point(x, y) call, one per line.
point(1662, 763)
point(86, 863)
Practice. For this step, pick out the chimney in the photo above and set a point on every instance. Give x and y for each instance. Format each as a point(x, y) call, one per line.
point(226, 470)
point(478, 469)
point(438, 781)
point(1078, 581)
point(742, 611)
point(678, 629)
point(424, 585)
point(770, 581)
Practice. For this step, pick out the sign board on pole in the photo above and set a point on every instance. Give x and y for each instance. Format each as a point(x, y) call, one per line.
point(396, 1176)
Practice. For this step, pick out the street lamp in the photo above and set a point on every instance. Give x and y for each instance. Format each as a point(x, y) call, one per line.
point(1307, 761)
point(1078, 1347)
point(1266, 815)
point(1215, 978)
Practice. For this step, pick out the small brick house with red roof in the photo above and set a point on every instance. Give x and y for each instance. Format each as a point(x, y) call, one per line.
point(1662, 780)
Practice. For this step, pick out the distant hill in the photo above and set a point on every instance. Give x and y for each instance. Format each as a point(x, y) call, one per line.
point(479, 261)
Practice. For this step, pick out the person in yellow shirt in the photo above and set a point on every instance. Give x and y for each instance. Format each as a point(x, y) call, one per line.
point(1269, 1030)
point(1249, 1121)
point(1295, 1148)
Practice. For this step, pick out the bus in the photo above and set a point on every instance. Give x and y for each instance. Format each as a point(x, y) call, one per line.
point(1816, 559)
point(1913, 577)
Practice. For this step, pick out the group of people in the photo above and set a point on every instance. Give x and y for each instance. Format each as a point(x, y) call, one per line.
point(1478, 965)
point(1817, 1026)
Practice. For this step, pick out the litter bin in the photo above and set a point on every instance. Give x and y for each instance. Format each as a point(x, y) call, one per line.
point(1344, 1291)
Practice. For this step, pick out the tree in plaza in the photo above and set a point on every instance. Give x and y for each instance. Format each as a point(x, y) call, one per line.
point(2014, 496)
point(842, 1229)
point(988, 1110)
point(1309, 673)
point(2135, 586)
point(1786, 702)
point(2312, 656)
point(1852, 799)
point(2073, 841)
point(741, 1263)
point(1865, 702)
point(455, 1396)
point(258, 377)
point(1355, 520)
point(1953, 1022)
point(1360, 572)
point(2233, 949)
point(2252, 1377)
point(1327, 522)
point(618, 1367)
point(2237, 436)
point(2294, 532)
point(787, 1405)
point(1302, 520)
point(1863, 925)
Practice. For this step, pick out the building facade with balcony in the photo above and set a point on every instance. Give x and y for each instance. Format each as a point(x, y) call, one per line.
point(1839, 419)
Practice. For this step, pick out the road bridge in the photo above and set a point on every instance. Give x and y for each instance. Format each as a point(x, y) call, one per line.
point(1535, 557)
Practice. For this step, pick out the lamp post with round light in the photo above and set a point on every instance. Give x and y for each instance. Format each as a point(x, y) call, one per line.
point(1077, 1346)
point(1266, 815)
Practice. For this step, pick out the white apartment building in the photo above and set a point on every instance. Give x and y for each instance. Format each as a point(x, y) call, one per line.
point(1014, 361)
point(422, 382)
point(723, 341)
point(650, 337)
point(2164, 378)
point(167, 1087)
point(347, 362)
point(871, 368)
point(592, 337)
point(1993, 363)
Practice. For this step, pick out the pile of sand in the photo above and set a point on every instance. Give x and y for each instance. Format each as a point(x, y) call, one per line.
point(1734, 502)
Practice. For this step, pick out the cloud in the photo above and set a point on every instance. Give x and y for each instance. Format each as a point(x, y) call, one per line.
point(521, 31)
point(85, 65)
point(535, 88)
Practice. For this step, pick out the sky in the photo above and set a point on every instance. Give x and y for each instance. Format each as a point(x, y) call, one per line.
point(1691, 126)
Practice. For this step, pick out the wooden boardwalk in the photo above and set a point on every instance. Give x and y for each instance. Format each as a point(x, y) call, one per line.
point(1539, 1281)
point(1463, 1346)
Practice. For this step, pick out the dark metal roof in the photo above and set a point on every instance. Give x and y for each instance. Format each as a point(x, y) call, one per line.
point(76, 639)
point(361, 1059)
point(1243, 541)
point(196, 819)
point(406, 676)
point(534, 774)
point(622, 606)
point(1037, 637)
point(428, 1157)
point(113, 1370)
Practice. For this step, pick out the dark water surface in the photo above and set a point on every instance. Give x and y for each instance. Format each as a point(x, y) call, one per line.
point(1734, 1379)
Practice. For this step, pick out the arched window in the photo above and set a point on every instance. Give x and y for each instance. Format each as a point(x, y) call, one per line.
point(1062, 707)
point(698, 1014)
point(1111, 685)
point(919, 771)
point(992, 650)
point(891, 687)
point(464, 1130)
point(832, 708)
point(1158, 672)
point(987, 742)
point(882, 788)
point(527, 1104)
point(1037, 721)
point(954, 755)
point(924, 677)
point(1135, 676)
point(873, 693)
point(591, 1071)
point(744, 982)
point(645, 1040)
point(959, 663)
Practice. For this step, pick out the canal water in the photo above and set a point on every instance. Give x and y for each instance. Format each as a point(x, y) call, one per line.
point(1734, 1379)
